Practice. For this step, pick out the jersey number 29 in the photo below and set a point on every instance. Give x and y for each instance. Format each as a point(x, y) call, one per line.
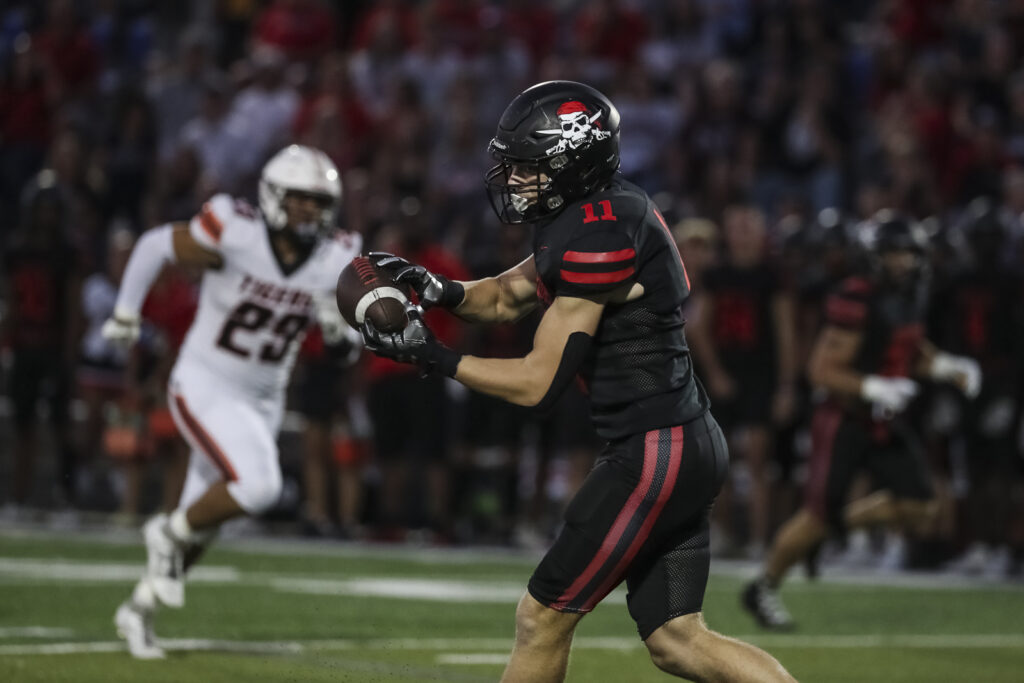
point(253, 317)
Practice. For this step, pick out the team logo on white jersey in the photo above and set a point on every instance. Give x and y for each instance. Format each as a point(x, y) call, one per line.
point(578, 127)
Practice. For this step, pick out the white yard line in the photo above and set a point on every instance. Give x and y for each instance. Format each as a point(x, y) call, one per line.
point(916, 641)
point(34, 632)
point(473, 658)
point(40, 569)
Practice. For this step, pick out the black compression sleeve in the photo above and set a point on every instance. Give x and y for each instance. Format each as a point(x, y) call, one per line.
point(576, 348)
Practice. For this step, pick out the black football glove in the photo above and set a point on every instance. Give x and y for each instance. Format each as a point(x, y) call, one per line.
point(415, 345)
point(431, 288)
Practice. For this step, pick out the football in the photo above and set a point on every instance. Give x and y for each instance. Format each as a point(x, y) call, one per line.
point(365, 291)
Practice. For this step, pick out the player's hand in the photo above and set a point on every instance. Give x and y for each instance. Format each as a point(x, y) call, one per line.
point(122, 329)
point(432, 289)
point(332, 326)
point(890, 395)
point(783, 404)
point(415, 345)
point(962, 371)
point(721, 385)
point(347, 348)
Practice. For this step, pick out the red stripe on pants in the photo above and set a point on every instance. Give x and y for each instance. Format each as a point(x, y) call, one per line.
point(611, 539)
point(205, 441)
point(824, 426)
point(675, 458)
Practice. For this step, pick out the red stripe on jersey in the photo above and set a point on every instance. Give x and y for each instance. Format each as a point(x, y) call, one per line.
point(845, 311)
point(672, 242)
point(599, 256)
point(210, 223)
point(597, 278)
point(205, 441)
point(857, 285)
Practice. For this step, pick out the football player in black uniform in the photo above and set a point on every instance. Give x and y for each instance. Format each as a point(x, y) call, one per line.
point(606, 268)
point(871, 345)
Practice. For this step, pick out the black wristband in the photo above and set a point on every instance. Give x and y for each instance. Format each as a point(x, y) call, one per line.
point(439, 359)
point(452, 294)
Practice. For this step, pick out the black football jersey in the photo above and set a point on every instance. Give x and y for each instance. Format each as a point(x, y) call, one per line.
point(979, 315)
point(638, 373)
point(891, 321)
point(742, 324)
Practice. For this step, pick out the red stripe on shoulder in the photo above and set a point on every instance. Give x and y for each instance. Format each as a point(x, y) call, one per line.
point(599, 256)
point(210, 223)
point(845, 312)
point(857, 285)
point(597, 278)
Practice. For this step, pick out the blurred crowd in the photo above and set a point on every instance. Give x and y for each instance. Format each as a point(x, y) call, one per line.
point(765, 130)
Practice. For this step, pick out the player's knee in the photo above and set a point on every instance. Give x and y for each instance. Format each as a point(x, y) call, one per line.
point(256, 495)
point(918, 515)
point(535, 622)
point(677, 647)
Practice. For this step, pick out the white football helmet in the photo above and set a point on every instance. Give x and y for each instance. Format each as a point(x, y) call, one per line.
point(305, 170)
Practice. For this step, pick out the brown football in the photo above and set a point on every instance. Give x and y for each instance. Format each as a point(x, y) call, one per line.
point(365, 291)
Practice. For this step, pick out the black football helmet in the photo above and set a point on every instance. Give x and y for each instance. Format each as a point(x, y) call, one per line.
point(888, 232)
point(895, 233)
point(557, 142)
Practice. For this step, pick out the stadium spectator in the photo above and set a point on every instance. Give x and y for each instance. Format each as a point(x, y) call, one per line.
point(745, 340)
point(177, 91)
point(42, 282)
point(302, 30)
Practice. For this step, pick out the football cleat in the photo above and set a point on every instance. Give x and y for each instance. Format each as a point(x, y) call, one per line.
point(165, 562)
point(135, 626)
point(764, 603)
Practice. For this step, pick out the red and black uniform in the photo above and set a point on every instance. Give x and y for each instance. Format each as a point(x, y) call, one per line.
point(744, 335)
point(846, 435)
point(980, 317)
point(40, 280)
point(642, 513)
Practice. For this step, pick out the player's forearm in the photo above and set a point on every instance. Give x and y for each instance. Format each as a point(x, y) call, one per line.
point(151, 252)
point(489, 301)
point(785, 338)
point(926, 356)
point(516, 380)
point(836, 379)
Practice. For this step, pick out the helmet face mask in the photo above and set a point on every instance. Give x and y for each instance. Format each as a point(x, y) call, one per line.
point(898, 248)
point(556, 142)
point(520, 192)
point(300, 190)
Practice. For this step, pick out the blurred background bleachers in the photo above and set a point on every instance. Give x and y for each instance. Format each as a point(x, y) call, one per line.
point(782, 124)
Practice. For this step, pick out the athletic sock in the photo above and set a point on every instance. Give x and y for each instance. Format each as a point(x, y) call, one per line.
point(179, 527)
point(143, 597)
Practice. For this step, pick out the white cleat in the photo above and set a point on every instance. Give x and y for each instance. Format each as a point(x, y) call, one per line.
point(135, 626)
point(165, 562)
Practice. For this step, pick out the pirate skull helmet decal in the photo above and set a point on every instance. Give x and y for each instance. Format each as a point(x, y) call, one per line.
point(578, 127)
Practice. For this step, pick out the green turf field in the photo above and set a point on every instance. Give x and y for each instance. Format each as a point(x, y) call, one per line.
point(301, 612)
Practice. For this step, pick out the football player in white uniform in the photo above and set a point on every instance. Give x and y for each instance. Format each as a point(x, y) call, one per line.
point(269, 274)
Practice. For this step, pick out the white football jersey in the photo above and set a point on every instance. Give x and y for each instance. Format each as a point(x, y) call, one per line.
point(253, 313)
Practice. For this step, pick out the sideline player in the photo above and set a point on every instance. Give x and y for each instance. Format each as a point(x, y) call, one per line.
point(872, 343)
point(605, 267)
point(269, 273)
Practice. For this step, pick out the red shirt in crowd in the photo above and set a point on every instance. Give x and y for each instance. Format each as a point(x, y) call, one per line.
point(301, 29)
